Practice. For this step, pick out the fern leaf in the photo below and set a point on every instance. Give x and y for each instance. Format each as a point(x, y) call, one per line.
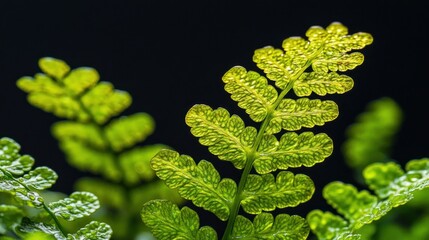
point(392, 186)
point(10, 159)
point(264, 226)
point(292, 150)
point(251, 91)
point(328, 226)
point(325, 50)
point(266, 193)
point(388, 180)
point(127, 131)
point(80, 79)
point(109, 194)
point(90, 134)
point(40, 178)
point(54, 67)
point(167, 222)
point(78, 205)
point(200, 183)
point(92, 231)
point(86, 158)
point(10, 217)
point(75, 94)
point(136, 163)
point(348, 201)
point(28, 226)
point(225, 135)
point(103, 101)
point(322, 83)
point(371, 137)
point(292, 115)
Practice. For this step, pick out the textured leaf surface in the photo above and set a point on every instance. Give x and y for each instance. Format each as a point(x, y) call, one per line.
point(264, 226)
point(322, 83)
point(326, 50)
point(10, 159)
point(393, 188)
point(348, 201)
point(200, 183)
point(127, 131)
point(92, 231)
point(293, 150)
point(168, 222)
point(40, 178)
point(27, 226)
point(225, 135)
point(78, 205)
point(251, 91)
point(292, 115)
point(371, 137)
point(389, 180)
point(265, 193)
point(328, 226)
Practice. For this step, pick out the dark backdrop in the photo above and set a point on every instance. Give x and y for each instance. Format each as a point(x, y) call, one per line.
point(172, 54)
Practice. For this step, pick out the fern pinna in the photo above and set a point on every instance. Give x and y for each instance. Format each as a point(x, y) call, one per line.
point(94, 142)
point(24, 184)
point(367, 148)
point(304, 66)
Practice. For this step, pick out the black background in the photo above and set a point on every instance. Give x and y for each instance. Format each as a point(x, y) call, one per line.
point(170, 55)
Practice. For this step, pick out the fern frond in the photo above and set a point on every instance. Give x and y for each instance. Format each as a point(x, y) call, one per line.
point(393, 187)
point(167, 222)
point(264, 226)
point(305, 66)
point(266, 193)
point(200, 183)
point(225, 135)
point(24, 187)
point(73, 94)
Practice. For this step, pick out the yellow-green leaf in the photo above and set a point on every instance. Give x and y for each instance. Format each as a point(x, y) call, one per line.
point(266, 193)
point(292, 114)
point(89, 159)
point(80, 79)
point(251, 91)
point(103, 101)
point(54, 67)
point(90, 134)
point(225, 135)
point(200, 183)
point(136, 163)
point(264, 226)
point(322, 83)
point(168, 222)
point(293, 150)
point(129, 130)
